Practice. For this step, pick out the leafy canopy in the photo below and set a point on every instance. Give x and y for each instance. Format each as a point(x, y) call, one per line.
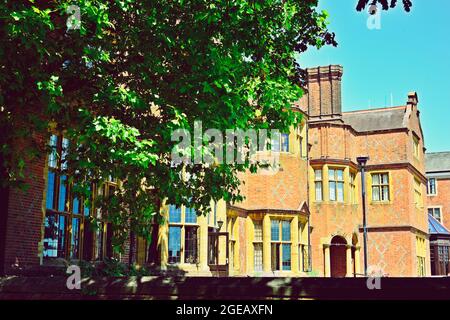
point(137, 70)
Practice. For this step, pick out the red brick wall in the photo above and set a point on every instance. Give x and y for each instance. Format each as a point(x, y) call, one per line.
point(25, 218)
point(286, 189)
point(442, 199)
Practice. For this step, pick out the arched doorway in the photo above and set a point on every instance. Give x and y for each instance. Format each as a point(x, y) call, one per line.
point(338, 264)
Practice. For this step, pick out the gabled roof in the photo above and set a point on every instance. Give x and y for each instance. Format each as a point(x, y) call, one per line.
point(434, 227)
point(376, 119)
point(437, 161)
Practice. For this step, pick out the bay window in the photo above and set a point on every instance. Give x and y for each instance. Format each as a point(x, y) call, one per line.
point(336, 184)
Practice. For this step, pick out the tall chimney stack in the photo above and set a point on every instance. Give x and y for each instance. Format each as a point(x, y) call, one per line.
point(323, 99)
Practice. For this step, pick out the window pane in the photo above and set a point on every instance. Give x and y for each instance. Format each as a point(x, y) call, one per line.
point(318, 191)
point(275, 256)
point(62, 194)
point(191, 215)
point(258, 255)
point(340, 175)
point(174, 244)
point(437, 214)
point(331, 174)
point(286, 257)
point(275, 141)
point(52, 157)
point(432, 186)
point(75, 239)
point(258, 231)
point(385, 178)
point(191, 245)
point(75, 205)
point(340, 191)
point(318, 174)
point(285, 142)
point(430, 211)
point(286, 230)
point(174, 214)
point(50, 190)
point(54, 235)
point(375, 179)
point(275, 230)
point(385, 193)
point(376, 194)
point(332, 191)
point(65, 147)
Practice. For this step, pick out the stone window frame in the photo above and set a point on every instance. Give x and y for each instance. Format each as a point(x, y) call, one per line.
point(304, 260)
point(418, 192)
point(258, 242)
point(318, 181)
point(421, 254)
point(183, 227)
point(370, 185)
point(337, 182)
point(232, 240)
point(435, 187)
point(281, 243)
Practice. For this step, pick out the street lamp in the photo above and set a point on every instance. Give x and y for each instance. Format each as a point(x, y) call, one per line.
point(362, 161)
point(219, 225)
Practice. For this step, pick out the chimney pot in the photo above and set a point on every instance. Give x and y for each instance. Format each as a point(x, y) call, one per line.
point(412, 98)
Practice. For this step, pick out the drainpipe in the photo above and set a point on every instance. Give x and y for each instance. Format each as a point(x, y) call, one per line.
point(307, 198)
point(362, 165)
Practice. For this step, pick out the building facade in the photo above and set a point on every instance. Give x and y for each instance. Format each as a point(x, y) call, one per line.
point(302, 219)
point(438, 206)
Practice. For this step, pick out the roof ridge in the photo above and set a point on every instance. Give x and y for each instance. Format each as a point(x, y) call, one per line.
point(374, 110)
point(436, 221)
point(437, 152)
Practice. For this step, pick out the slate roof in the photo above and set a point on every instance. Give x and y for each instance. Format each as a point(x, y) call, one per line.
point(434, 227)
point(376, 119)
point(437, 161)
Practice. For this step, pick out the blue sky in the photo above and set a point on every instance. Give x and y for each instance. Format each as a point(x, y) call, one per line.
point(410, 52)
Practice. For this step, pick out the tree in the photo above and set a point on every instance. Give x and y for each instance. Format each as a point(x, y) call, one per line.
point(121, 79)
point(385, 4)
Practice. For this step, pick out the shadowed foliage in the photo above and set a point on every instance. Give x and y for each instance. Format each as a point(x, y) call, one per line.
point(385, 4)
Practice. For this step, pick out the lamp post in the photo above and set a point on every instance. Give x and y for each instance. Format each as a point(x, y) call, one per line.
point(362, 161)
point(219, 225)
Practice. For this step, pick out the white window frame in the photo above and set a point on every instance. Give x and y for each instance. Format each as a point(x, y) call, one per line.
point(441, 220)
point(435, 187)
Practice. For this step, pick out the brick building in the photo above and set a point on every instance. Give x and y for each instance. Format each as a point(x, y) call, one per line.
point(305, 218)
point(396, 183)
point(438, 204)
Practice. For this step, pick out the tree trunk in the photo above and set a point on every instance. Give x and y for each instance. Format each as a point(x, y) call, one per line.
point(132, 253)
